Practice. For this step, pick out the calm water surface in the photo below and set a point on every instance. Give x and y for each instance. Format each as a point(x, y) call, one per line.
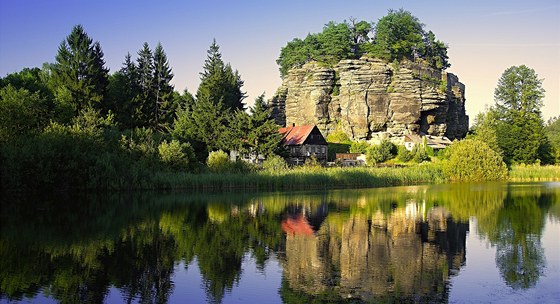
point(480, 243)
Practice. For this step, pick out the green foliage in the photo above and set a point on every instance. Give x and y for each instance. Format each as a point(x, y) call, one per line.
point(21, 112)
point(519, 90)
point(275, 164)
point(339, 137)
point(218, 162)
point(219, 83)
point(474, 160)
point(381, 153)
point(403, 154)
point(552, 130)
point(514, 127)
point(311, 163)
point(420, 154)
point(337, 41)
point(400, 35)
point(80, 74)
point(485, 129)
point(176, 155)
point(359, 147)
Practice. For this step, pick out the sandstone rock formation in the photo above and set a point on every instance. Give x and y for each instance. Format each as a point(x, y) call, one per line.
point(370, 99)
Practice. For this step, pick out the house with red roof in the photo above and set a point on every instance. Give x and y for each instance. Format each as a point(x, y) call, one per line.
point(303, 142)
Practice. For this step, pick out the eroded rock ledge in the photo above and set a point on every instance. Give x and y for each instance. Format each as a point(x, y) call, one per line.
point(370, 99)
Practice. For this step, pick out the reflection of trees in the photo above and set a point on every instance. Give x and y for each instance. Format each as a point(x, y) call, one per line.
point(519, 256)
point(373, 245)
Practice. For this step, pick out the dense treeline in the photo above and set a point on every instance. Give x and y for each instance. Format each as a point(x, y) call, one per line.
point(398, 35)
point(72, 124)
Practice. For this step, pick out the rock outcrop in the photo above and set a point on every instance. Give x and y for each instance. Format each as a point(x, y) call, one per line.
point(370, 99)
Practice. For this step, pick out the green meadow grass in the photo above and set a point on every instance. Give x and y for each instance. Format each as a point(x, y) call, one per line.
point(301, 179)
point(534, 173)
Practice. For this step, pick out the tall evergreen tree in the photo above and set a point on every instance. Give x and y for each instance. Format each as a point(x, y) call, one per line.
point(122, 93)
point(81, 77)
point(164, 101)
point(219, 83)
point(146, 99)
point(263, 136)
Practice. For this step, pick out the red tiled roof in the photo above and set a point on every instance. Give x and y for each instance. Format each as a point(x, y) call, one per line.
point(295, 135)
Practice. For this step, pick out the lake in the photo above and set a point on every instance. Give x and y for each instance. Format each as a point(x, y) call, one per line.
point(475, 243)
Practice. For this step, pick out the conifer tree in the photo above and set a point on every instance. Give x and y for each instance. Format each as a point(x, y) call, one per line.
point(164, 101)
point(219, 83)
point(122, 93)
point(80, 75)
point(146, 97)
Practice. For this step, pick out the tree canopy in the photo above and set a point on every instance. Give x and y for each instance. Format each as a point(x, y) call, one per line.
point(513, 127)
point(79, 71)
point(398, 35)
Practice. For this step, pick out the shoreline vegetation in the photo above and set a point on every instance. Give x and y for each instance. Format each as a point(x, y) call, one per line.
point(333, 178)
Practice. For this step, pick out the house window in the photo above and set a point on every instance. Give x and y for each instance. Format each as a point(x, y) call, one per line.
point(323, 150)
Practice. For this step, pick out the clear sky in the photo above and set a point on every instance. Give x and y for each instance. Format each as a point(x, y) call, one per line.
point(484, 37)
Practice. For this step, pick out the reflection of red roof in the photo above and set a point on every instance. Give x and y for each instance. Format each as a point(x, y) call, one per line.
point(298, 225)
point(295, 135)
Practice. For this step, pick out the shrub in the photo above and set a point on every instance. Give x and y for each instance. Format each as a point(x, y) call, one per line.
point(359, 147)
point(474, 160)
point(218, 162)
point(419, 154)
point(176, 155)
point(403, 154)
point(275, 164)
point(381, 153)
point(339, 137)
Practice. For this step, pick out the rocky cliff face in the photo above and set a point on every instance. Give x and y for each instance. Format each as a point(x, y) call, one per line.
point(370, 99)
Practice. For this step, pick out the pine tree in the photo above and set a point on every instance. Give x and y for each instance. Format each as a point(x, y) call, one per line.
point(263, 135)
point(145, 100)
point(123, 92)
point(164, 101)
point(80, 75)
point(219, 83)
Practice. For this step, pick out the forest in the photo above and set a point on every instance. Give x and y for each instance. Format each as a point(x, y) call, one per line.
point(72, 124)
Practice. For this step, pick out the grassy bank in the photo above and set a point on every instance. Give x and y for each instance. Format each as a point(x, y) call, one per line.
point(302, 179)
point(534, 173)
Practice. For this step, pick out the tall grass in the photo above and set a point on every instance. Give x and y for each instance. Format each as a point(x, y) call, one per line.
point(301, 179)
point(534, 173)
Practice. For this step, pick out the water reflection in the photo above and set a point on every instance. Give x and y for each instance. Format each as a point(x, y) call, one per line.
point(395, 244)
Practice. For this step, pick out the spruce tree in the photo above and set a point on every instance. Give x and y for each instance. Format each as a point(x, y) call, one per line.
point(219, 83)
point(123, 92)
point(164, 101)
point(80, 74)
point(145, 100)
point(263, 136)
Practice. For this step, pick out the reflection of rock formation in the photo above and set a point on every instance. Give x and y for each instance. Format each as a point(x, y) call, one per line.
point(369, 257)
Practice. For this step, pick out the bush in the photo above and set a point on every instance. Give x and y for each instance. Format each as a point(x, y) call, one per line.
point(419, 154)
point(474, 160)
point(176, 155)
point(275, 164)
point(218, 162)
point(403, 154)
point(359, 147)
point(381, 153)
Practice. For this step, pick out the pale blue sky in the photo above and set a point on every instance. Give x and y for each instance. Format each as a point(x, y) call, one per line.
point(484, 37)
